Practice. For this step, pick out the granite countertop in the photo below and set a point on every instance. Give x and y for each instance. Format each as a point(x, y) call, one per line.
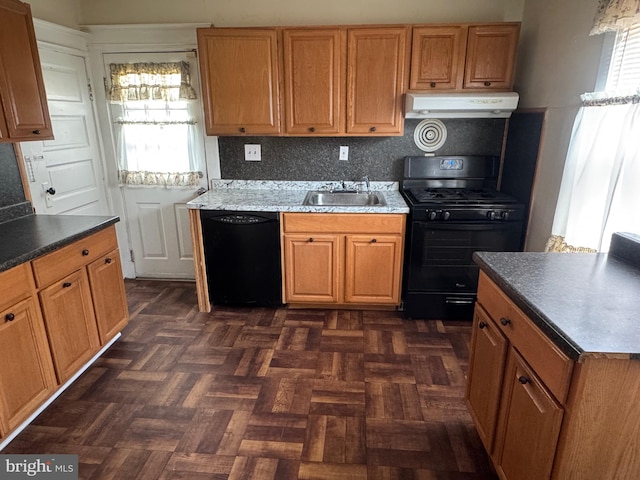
point(282, 196)
point(31, 236)
point(587, 304)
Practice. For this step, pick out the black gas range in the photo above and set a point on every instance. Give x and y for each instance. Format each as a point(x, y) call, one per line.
point(455, 210)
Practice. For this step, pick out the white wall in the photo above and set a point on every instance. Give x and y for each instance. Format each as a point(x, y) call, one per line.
point(61, 12)
point(297, 12)
point(557, 61)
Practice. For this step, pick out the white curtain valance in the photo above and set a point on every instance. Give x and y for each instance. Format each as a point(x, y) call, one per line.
point(616, 15)
point(150, 81)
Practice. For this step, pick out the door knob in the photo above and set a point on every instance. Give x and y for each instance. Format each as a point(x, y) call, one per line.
point(51, 191)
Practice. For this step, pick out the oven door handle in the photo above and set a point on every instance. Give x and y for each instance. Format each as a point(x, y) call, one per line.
point(459, 301)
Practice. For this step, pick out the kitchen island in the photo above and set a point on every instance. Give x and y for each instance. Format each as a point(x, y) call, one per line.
point(554, 376)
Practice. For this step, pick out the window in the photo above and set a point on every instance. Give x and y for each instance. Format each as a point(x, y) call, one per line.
point(599, 193)
point(153, 112)
point(624, 69)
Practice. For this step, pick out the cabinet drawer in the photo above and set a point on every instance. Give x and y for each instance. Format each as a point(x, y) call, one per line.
point(343, 223)
point(15, 284)
point(492, 299)
point(62, 262)
point(551, 365)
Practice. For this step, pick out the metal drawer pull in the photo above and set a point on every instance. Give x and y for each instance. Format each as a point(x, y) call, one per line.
point(373, 240)
point(66, 284)
point(311, 239)
point(9, 317)
point(85, 252)
point(481, 325)
point(505, 321)
point(459, 301)
point(524, 380)
point(107, 260)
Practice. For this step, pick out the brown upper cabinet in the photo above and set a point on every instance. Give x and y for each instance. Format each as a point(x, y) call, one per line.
point(314, 79)
point(239, 72)
point(336, 81)
point(25, 115)
point(377, 59)
point(464, 57)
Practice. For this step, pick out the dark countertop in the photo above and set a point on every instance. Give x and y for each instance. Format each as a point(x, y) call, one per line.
point(31, 236)
point(586, 303)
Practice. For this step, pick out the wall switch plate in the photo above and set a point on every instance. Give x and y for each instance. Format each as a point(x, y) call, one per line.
point(252, 153)
point(344, 152)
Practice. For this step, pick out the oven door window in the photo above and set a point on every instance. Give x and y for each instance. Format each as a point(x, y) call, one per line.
point(440, 254)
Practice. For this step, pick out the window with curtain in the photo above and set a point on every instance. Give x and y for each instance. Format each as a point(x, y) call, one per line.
point(600, 190)
point(152, 107)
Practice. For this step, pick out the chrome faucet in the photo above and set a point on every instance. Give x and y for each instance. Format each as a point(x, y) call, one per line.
point(365, 179)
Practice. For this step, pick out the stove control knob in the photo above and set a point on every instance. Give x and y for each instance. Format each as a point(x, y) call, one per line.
point(492, 215)
point(432, 215)
point(446, 215)
point(505, 215)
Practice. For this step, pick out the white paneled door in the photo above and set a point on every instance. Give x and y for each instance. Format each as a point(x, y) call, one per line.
point(157, 217)
point(158, 223)
point(65, 174)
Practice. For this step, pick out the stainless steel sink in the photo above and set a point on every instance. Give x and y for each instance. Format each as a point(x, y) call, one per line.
point(344, 199)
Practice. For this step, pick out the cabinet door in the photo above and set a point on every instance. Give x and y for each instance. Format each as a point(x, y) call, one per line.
point(314, 63)
point(372, 269)
point(486, 369)
point(377, 59)
point(529, 425)
point(108, 294)
point(239, 71)
point(313, 268)
point(22, 94)
point(26, 377)
point(70, 321)
point(437, 58)
point(491, 55)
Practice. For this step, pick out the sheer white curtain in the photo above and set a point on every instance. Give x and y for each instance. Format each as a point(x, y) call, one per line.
point(153, 110)
point(600, 191)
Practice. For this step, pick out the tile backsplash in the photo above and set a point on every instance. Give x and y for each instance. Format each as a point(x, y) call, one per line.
point(381, 158)
point(13, 203)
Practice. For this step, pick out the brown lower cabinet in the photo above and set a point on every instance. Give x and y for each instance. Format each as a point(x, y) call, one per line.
point(349, 259)
point(51, 327)
point(540, 414)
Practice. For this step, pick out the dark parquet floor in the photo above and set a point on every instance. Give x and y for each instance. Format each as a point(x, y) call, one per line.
point(265, 393)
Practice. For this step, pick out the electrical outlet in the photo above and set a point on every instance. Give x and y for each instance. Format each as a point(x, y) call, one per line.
point(252, 153)
point(344, 152)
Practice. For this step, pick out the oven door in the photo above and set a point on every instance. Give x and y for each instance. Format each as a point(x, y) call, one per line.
point(441, 278)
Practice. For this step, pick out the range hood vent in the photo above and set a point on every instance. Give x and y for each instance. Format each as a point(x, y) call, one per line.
point(460, 105)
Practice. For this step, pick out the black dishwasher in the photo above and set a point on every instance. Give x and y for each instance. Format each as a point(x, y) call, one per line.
point(242, 256)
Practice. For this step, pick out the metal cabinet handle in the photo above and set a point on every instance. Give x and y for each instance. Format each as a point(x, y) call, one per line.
point(9, 317)
point(107, 260)
point(51, 191)
point(36, 132)
point(433, 84)
point(487, 84)
point(242, 129)
point(311, 239)
point(66, 284)
point(524, 380)
point(85, 252)
point(372, 129)
point(505, 321)
point(312, 129)
point(482, 325)
point(373, 240)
